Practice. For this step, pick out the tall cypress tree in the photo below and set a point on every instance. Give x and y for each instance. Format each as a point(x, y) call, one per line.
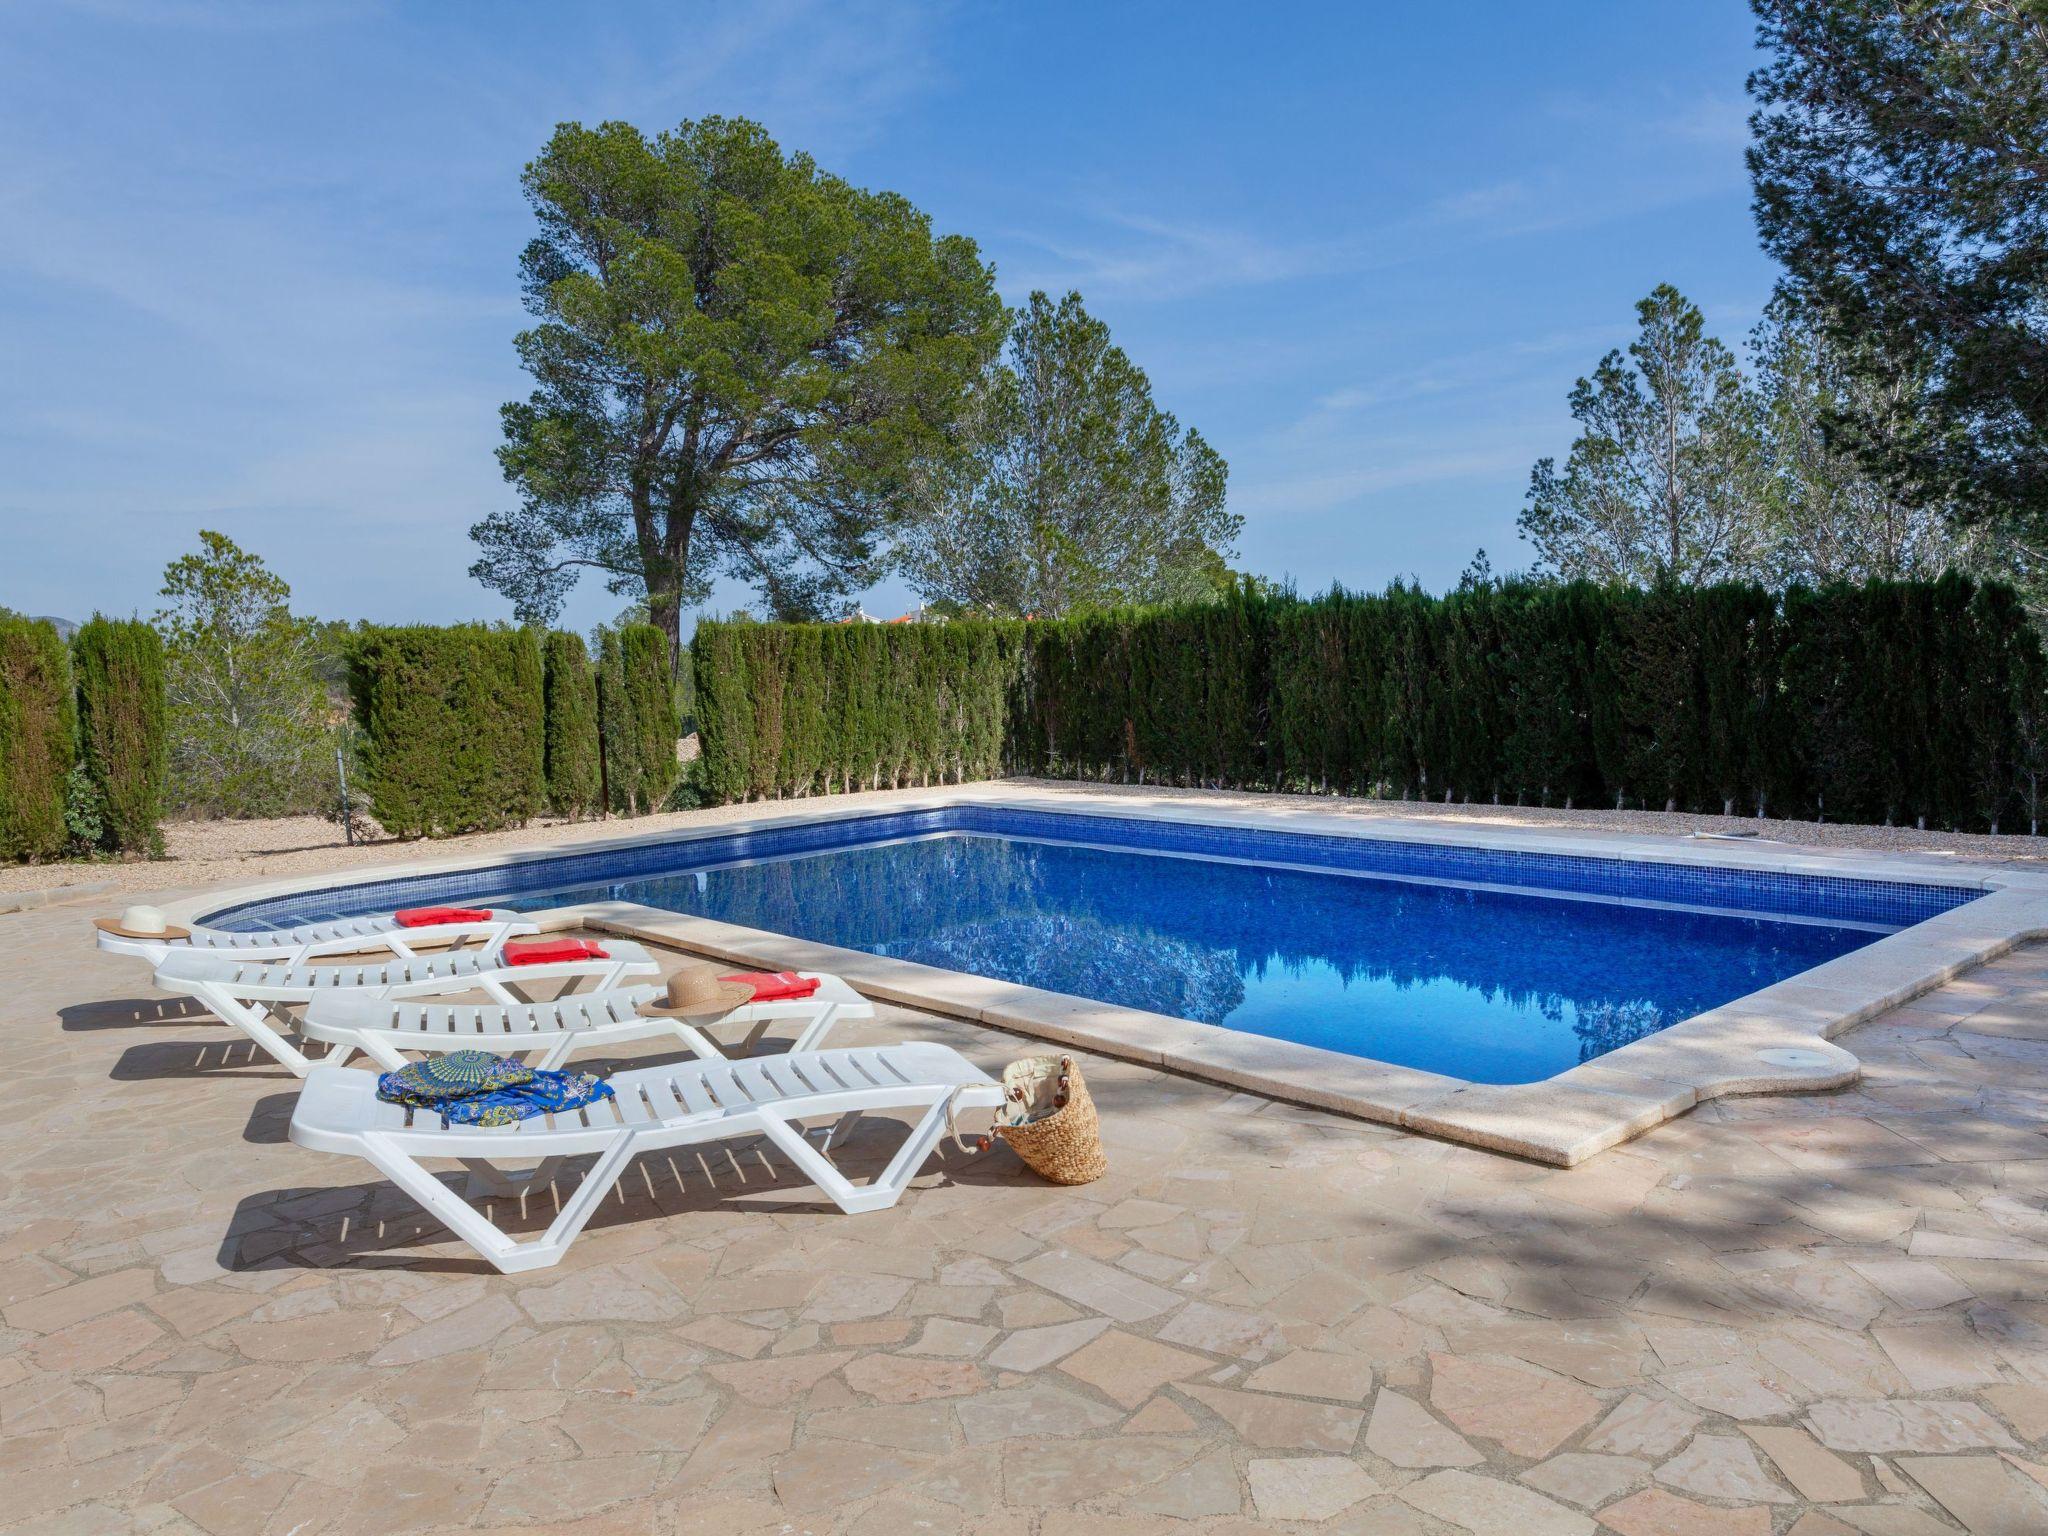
point(38, 729)
point(573, 766)
point(1998, 633)
point(1736, 641)
point(651, 702)
point(123, 740)
point(2029, 724)
point(614, 726)
point(1959, 654)
point(803, 712)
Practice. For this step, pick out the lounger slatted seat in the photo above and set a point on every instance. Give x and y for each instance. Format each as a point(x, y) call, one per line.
point(385, 1028)
point(378, 934)
point(253, 995)
point(656, 1108)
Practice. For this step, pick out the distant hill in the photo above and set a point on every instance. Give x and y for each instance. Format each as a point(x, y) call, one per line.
point(64, 627)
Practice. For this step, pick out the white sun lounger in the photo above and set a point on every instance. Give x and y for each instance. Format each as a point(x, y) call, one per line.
point(384, 1028)
point(253, 994)
point(380, 934)
point(655, 1108)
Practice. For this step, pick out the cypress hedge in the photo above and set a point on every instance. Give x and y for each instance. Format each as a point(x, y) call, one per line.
point(1899, 702)
point(788, 710)
point(38, 727)
point(614, 727)
point(451, 723)
point(637, 718)
point(653, 725)
point(123, 736)
point(569, 756)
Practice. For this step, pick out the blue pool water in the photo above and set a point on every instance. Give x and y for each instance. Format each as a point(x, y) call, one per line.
point(1496, 966)
point(1499, 987)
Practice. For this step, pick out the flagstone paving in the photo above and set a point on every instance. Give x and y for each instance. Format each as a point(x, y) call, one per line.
point(1812, 1315)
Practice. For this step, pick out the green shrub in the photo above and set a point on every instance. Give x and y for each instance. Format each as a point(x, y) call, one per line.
point(84, 824)
point(570, 755)
point(38, 724)
point(123, 741)
point(451, 726)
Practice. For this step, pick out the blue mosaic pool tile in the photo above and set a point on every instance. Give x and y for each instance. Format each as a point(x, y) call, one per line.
point(1889, 902)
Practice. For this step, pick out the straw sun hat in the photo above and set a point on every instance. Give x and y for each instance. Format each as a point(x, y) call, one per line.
point(140, 923)
point(698, 992)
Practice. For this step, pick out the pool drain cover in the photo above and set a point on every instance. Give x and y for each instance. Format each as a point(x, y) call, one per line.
point(1797, 1060)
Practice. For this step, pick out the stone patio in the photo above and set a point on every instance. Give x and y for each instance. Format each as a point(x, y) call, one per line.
point(1817, 1315)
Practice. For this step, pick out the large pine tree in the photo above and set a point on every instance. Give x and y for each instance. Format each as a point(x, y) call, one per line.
point(1901, 170)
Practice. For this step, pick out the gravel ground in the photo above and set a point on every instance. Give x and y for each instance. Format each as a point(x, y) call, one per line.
point(216, 852)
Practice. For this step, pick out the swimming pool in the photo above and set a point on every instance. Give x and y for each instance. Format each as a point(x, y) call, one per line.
point(1485, 964)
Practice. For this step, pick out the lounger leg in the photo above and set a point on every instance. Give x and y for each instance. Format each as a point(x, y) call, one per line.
point(254, 1020)
point(381, 1051)
point(582, 1205)
point(887, 1188)
point(917, 1146)
point(813, 1034)
point(559, 1051)
point(489, 1179)
point(502, 992)
point(506, 1254)
point(442, 1203)
point(696, 1040)
point(826, 1135)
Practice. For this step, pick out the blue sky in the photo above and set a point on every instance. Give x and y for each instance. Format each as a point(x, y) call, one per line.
point(258, 261)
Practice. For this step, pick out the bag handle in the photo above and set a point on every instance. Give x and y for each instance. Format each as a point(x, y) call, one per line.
point(984, 1142)
point(980, 1144)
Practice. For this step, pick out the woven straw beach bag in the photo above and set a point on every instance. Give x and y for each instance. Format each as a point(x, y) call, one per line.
point(1052, 1120)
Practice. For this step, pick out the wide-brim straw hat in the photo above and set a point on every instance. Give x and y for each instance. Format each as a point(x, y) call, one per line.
point(140, 923)
point(699, 992)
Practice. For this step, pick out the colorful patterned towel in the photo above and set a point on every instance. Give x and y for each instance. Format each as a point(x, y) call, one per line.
point(457, 1075)
point(546, 1093)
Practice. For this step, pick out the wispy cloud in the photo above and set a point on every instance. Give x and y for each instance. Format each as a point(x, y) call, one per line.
point(225, 16)
point(1713, 118)
point(1512, 361)
point(1378, 467)
point(830, 77)
point(1141, 255)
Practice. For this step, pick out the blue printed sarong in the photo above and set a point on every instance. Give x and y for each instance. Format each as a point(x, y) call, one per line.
point(483, 1088)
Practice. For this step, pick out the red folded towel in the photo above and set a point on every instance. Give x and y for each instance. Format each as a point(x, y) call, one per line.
point(434, 917)
point(776, 986)
point(552, 951)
